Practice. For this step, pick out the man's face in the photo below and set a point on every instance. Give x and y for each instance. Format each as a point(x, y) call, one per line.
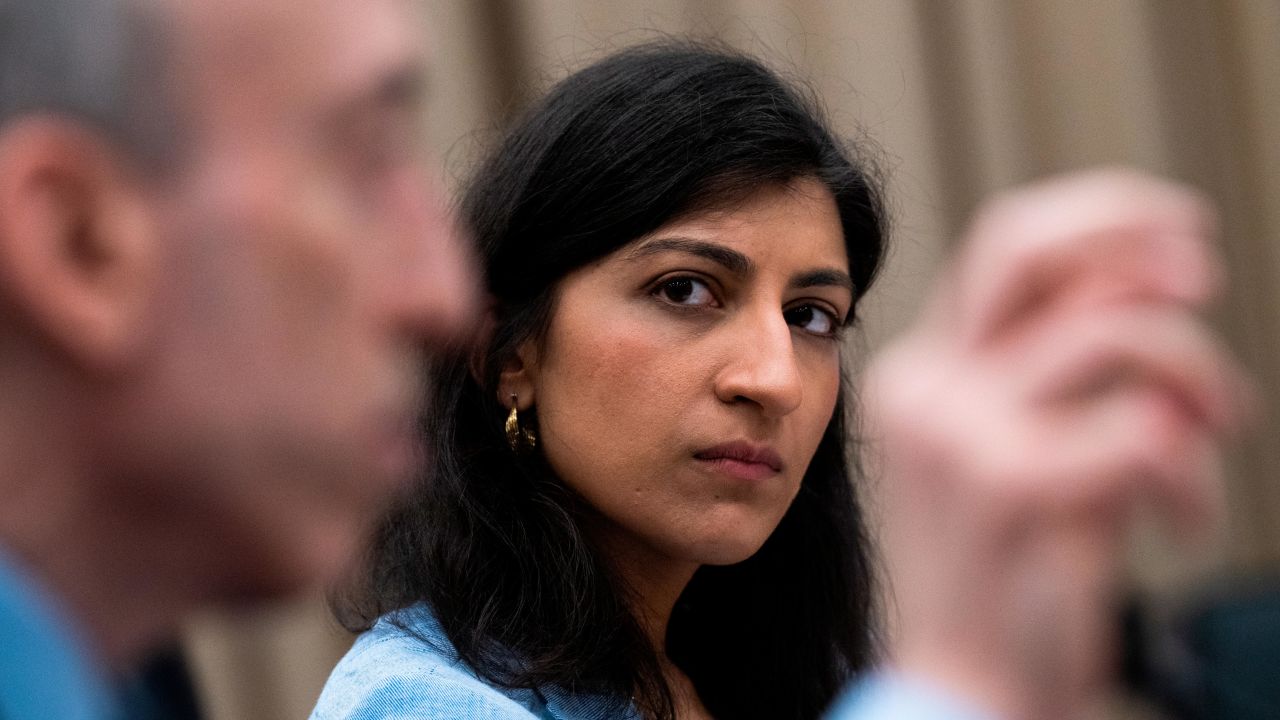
point(310, 262)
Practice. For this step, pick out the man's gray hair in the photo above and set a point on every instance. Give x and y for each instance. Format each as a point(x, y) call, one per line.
point(98, 61)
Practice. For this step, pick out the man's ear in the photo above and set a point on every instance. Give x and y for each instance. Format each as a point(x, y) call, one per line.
point(77, 252)
point(518, 378)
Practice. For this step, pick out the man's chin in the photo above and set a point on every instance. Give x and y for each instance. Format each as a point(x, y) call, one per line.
point(315, 563)
point(395, 460)
point(251, 590)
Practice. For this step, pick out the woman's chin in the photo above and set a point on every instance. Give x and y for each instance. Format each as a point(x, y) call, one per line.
point(727, 550)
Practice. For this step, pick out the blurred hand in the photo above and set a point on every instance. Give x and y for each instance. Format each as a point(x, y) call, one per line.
point(1059, 380)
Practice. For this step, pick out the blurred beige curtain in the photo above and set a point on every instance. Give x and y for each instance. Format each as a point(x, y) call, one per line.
point(962, 98)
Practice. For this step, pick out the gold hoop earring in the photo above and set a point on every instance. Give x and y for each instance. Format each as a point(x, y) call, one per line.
point(515, 435)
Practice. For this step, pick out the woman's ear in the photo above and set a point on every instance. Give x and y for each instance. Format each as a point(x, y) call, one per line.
point(518, 378)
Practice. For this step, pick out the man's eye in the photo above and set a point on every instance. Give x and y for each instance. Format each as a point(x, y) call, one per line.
point(378, 144)
point(685, 291)
point(382, 151)
point(812, 319)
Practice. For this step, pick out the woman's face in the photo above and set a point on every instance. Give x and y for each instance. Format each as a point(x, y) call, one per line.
point(687, 378)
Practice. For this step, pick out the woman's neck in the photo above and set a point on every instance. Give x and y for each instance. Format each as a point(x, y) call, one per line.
point(655, 582)
point(684, 695)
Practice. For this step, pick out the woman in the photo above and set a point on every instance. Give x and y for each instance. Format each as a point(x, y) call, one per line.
point(640, 502)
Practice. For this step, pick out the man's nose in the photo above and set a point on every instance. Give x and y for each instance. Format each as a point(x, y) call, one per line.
point(441, 291)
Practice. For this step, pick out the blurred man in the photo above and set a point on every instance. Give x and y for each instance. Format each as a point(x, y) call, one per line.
point(220, 263)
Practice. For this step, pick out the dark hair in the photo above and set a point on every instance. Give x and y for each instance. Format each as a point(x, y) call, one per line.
point(491, 538)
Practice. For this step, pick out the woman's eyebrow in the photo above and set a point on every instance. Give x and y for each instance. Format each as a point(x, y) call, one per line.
point(824, 276)
point(732, 260)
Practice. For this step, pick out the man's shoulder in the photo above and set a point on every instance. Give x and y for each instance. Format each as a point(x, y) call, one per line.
point(46, 669)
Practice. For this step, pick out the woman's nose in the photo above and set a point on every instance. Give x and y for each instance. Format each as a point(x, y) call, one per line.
point(762, 368)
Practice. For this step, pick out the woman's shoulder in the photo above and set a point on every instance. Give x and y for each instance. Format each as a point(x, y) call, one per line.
point(405, 667)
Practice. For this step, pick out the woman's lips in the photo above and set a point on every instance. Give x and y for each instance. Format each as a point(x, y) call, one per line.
point(743, 460)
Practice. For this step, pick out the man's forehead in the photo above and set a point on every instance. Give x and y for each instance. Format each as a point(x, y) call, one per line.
point(336, 46)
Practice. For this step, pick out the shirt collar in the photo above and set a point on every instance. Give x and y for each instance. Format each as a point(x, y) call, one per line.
point(564, 705)
point(559, 703)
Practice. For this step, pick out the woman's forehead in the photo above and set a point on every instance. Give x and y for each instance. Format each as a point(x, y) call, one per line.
point(795, 221)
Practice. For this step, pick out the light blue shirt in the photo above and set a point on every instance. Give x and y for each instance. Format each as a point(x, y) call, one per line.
point(46, 672)
point(892, 696)
point(395, 673)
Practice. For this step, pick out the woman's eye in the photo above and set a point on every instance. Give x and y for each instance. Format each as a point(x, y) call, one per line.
point(812, 319)
point(685, 291)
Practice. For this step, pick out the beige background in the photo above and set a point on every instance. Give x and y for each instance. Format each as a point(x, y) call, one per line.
point(963, 97)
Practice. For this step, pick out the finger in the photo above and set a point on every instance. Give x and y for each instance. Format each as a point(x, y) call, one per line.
point(1134, 449)
point(1076, 358)
point(1130, 234)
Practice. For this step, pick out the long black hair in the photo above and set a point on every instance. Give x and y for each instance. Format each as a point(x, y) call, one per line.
point(492, 539)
